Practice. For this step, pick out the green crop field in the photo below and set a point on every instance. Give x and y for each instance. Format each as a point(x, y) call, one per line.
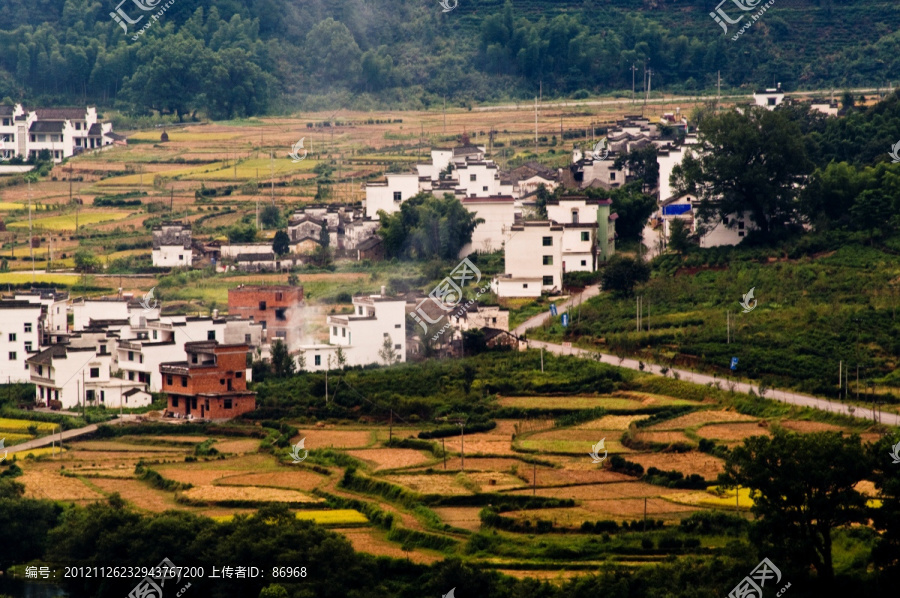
point(66, 222)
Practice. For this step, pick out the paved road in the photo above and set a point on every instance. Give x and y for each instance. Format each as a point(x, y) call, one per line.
point(535, 321)
point(633, 364)
point(48, 440)
point(689, 376)
point(525, 105)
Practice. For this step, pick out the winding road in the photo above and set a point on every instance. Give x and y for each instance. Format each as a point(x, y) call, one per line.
point(690, 376)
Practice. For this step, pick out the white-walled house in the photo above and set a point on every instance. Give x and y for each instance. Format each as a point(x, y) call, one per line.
point(20, 323)
point(769, 98)
point(80, 372)
point(63, 132)
point(154, 342)
point(532, 260)
point(55, 318)
point(85, 310)
point(362, 334)
point(440, 159)
point(172, 245)
point(387, 195)
point(499, 216)
point(729, 230)
point(479, 179)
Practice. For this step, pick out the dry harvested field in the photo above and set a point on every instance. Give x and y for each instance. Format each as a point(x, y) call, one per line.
point(700, 418)
point(391, 458)
point(476, 464)
point(298, 479)
point(541, 574)
point(318, 438)
point(494, 442)
point(249, 445)
point(213, 494)
point(462, 517)
point(806, 427)
point(670, 437)
point(53, 486)
point(373, 542)
point(493, 481)
point(611, 422)
point(105, 446)
point(732, 432)
point(687, 463)
point(448, 485)
point(139, 494)
point(610, 491)
point(547, 476)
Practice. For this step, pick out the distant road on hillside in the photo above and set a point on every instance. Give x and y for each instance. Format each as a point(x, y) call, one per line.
point(689, 376)
point(666, 100)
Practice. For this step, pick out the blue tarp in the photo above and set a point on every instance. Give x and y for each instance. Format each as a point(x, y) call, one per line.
point(676, 209)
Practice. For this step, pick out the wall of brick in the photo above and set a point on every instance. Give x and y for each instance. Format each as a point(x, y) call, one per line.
point(245, 302)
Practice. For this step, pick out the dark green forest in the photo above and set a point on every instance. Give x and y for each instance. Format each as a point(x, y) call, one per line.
point(232, 58)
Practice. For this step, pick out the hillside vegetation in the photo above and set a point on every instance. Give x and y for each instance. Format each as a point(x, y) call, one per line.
point(230, 58)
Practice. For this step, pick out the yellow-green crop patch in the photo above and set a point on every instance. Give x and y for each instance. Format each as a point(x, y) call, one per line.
point(255, 169)
point(336, 517)
point(6, 206)
point(22, 425)
point(67, 221)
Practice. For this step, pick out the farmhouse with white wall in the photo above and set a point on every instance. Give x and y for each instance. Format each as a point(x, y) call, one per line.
point(172, 245)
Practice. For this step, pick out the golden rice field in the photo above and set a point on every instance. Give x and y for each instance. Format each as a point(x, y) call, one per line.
point(335, 517)
point(181, 136)
point(6, 206)
point(213, 494)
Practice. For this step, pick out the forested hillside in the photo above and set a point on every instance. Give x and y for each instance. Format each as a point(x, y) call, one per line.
point(240, 57)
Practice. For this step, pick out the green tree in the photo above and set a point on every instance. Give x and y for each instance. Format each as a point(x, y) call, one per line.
point(282, 362)
point(86, 261)
point(753, 161)
point(540, 202)
point(427, 227)
point(643, 164)
point(241, 233)
point(679, 236)
point(281, 244)
point(621, 274)
point(341, 358)
point(271, 217)
point(803, 488)
point(273, 591)
point(387, 353)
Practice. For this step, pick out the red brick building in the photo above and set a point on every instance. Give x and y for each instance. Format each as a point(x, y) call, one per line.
point(211, 384)
point(277, 308)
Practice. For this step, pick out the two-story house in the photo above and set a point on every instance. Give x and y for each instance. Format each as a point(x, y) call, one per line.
point(210, 384)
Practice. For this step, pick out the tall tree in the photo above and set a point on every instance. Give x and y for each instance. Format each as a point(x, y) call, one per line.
point(621, 274)
point(282, 361)
point(281, 244)
point(753, 161)
point(803, 487)
point(427, 227)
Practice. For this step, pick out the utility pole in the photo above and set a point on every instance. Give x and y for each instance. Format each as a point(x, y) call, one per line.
point(444, 450)
point(445, 115)
point(633, 70)
point(535, 123)
point(542, 360)
point(728, 327)
point(391, 429)
point(462, 452)
point(534, 480)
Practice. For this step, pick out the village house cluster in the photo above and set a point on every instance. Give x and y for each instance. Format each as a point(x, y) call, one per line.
point(64, 132)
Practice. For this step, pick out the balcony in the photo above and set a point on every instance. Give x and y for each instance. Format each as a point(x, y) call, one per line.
point(178, 370)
